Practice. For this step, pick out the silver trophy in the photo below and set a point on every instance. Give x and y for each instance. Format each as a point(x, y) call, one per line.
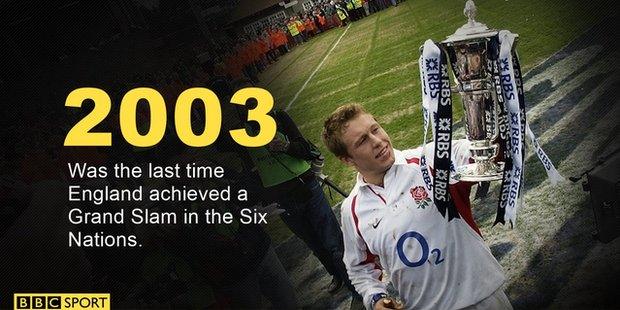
point(468, 48)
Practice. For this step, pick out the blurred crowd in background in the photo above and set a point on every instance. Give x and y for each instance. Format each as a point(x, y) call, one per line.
point(251, 53)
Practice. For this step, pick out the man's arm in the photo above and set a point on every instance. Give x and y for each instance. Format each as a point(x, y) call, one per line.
point(363, 272)
point(460, 152)
point(298, 146)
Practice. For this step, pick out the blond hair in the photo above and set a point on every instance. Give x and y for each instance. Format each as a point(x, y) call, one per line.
point(336, 123)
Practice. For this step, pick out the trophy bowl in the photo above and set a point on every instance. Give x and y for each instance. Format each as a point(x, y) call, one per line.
point(468, 50)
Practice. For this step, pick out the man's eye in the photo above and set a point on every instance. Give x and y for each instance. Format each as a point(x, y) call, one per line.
point(375, 130)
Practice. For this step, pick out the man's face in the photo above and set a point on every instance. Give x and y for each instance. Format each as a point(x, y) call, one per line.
point(368, 145)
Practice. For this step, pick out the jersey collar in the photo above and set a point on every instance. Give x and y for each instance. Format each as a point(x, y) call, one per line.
point(399, 159)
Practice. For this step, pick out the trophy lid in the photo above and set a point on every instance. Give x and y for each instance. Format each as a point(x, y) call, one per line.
point(473, 29)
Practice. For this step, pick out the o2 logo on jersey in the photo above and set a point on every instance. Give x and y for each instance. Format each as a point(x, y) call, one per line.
point(425, 250)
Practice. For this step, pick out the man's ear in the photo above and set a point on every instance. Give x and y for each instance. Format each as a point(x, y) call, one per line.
point(347, 160)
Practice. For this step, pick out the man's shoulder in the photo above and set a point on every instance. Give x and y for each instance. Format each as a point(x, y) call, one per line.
point(348, 203)
point(412, 153)
point(412, 156)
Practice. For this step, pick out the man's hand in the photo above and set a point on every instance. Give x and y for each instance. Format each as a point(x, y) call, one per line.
point(388, 303)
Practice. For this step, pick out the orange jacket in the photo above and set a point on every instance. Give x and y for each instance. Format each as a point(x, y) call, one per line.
point(233, 66)
point(263, 46)
point(246, 54)
point(310, 24)
point(273, 36)
point(282, 39)
point(255, 50)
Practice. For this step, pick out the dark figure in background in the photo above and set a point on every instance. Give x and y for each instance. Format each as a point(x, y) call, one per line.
point(237, 260)
point(289, 180)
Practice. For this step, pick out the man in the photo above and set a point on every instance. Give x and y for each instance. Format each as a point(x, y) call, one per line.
point(390, 222)
point(289, 180)
point(238, 261)
point(301, 27)
point(293, 29)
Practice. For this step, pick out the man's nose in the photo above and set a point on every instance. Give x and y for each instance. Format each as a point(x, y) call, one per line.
point(376, 141)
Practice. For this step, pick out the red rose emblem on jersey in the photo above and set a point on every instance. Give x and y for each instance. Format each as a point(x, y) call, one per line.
point(418, 193)
point(420, 196)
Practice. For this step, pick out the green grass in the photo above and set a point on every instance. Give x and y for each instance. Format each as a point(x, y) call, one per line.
point(375, 63)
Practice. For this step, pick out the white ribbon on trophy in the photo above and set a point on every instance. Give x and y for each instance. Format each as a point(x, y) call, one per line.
point(554, 176)
point(511, 97)
point(437, 103)
point(516, 125)
point(429, 79)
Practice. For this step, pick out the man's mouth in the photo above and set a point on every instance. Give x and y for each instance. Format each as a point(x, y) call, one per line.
point(382, 152)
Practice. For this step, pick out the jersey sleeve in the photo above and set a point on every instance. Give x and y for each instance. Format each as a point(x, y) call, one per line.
point(460, 152)
point(364, 272)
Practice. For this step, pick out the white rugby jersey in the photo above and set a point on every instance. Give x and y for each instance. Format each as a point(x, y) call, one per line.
point(433, 263)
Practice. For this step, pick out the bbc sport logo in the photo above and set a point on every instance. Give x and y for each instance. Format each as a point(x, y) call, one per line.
point(28, 301)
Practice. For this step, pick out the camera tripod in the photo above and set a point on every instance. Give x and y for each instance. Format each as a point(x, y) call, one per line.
point(326, 181)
